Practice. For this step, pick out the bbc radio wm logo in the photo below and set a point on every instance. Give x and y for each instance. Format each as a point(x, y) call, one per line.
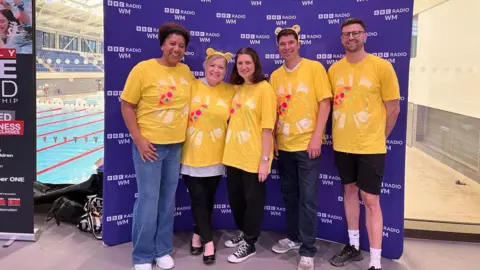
point(120, 220)
point(391, 56)
point(390, 14)
point(281, 19)
point(328, 218)
point(333, 18)
point(254, 39)
point(307, 2)
point(122, 138)
point(395, 143)
point(330, 57)
point(123, 52)
point(115, 93)
point(121, 179)
point(205, 37)
point(151, 32)
point(328, 180)
point(390, 230)
point(198, 74)
point(231, 18)
point(275, 57)
point(274, 210)
point(256, 3)
point(224, 208)
point(179, 14)
point(389, 188)
point(123, 8)
point(306, 39)
point(180, 209)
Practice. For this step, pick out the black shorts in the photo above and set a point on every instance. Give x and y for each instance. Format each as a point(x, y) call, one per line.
point(366, 170)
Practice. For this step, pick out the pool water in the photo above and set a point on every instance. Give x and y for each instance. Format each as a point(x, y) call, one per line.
point(69, 143)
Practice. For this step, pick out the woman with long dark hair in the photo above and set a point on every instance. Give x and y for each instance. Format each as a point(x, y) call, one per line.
point(248, 150)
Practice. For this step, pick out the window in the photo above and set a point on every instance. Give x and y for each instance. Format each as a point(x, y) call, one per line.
point(413, 50)
point(48, 40)
point(68, 43)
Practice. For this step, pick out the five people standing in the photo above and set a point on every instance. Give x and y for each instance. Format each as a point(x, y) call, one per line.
point(202, 128)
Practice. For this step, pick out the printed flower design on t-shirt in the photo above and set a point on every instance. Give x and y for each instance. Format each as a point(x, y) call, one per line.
point(168, 95)
point(342, 95)
point(235, 108)
point(242, 136)
point(294, 117)
point(195, 115)
point(351, 102)
point(283, 104)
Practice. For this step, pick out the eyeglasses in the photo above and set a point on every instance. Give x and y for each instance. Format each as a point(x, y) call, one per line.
point(355, 34)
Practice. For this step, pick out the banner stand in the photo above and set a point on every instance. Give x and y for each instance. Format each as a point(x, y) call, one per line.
point(12, 237)
point(131, 35)
point(18, 127)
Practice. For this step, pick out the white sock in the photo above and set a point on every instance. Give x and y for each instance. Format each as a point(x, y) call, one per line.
point(375, 256)
point(354, 237)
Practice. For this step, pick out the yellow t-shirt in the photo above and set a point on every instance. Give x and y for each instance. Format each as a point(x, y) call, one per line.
point(162, 95)
point(359, 114)
point(207, 124)
point(298, 93)
point(253, 109)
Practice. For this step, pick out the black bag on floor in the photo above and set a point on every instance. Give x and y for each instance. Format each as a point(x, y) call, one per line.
point(65, 210)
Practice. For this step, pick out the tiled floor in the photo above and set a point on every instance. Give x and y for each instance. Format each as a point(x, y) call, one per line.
point(66, 248)
point(431, 192)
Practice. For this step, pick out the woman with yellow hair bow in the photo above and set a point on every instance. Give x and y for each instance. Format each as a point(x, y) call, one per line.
point(202, 166)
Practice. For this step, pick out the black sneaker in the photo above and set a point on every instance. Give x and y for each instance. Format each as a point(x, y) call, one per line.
point(373, 268)
point(243, 252)
point(235, 242)
point(348, 254)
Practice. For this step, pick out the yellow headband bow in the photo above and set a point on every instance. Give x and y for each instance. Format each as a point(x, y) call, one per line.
point(295, 28)
point(211, 52)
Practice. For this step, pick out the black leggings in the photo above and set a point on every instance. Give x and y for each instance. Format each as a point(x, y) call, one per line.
point(202, 196)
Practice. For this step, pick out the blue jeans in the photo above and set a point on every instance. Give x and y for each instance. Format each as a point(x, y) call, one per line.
point(299, 182)
point(153, 212)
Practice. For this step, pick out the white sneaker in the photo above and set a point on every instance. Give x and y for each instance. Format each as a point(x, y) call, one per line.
point(306, 263)
point(143, 266)
point(165, 262)
point(284, 245)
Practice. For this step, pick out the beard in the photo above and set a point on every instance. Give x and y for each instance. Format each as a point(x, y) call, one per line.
point(353, 46)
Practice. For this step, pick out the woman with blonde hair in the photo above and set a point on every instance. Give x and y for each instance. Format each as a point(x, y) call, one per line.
point(202, 166)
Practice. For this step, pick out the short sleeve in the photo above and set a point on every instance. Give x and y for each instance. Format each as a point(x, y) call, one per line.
point(389, 86)
point(331, 78)
point(323, 89)
point(269, 107)
point(132, 91)
point(271, 80)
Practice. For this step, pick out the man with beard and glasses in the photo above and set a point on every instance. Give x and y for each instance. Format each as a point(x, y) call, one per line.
point(303, 106)
point(365, 109)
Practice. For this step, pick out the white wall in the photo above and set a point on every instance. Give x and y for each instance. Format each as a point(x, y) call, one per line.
point(446, 72)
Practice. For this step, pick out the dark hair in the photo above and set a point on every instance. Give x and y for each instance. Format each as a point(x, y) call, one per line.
point(7, 13)
point(351, 21)
point(257, 75)
point(287, 32)
point(169, 28)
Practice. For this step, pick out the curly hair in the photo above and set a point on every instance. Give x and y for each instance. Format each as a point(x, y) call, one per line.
point(169, 28)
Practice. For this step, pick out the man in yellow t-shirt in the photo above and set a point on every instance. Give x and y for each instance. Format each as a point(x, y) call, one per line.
point(365, 109)
point(303, 105)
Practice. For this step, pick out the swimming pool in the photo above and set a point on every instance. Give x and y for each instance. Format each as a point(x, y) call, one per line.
point(69, 142)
